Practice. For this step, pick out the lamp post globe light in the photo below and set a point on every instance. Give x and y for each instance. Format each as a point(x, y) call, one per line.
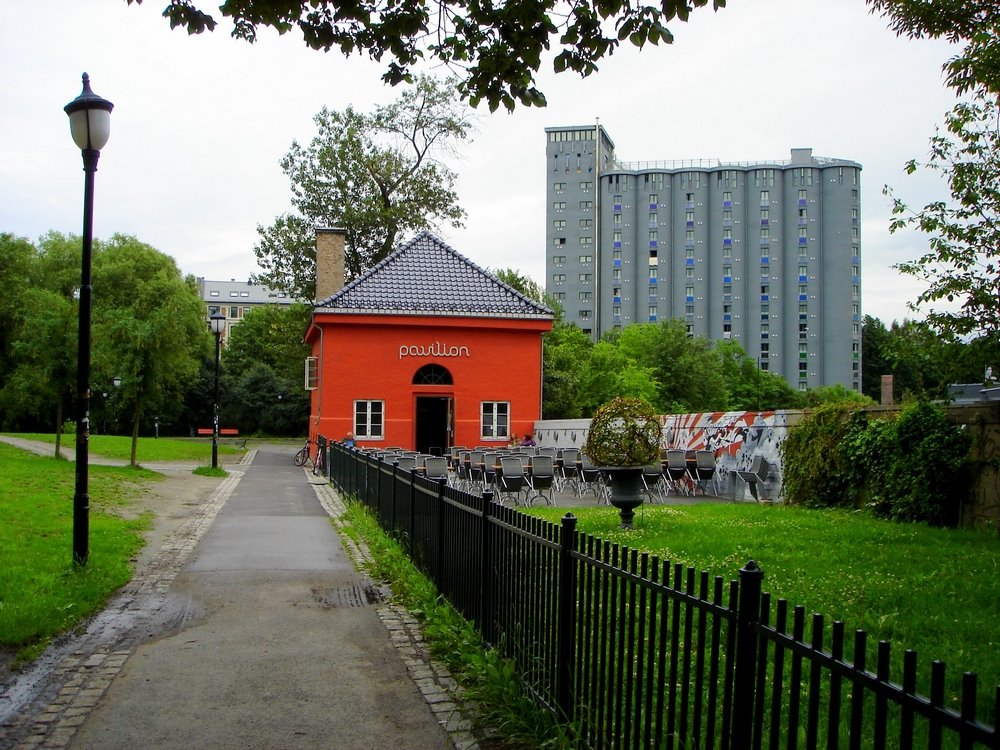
point(218, 323)
point(90, 126)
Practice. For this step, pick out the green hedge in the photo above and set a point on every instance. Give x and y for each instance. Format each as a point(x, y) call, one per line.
point(913, 466)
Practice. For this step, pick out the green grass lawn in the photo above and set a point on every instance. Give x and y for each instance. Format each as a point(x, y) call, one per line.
point(936, 591)
point(41, 592)
point(147, 449)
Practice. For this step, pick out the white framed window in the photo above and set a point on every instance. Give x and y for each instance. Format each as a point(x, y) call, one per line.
point(312, 373)
point(495, 424)
point(369, 419)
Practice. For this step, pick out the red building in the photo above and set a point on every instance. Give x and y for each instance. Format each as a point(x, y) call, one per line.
point(424, 351)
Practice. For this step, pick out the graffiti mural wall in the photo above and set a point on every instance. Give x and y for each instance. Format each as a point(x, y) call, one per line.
point(746, 445)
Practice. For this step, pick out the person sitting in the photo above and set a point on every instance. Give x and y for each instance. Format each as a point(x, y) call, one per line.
point(528, 439)
point(349, 440)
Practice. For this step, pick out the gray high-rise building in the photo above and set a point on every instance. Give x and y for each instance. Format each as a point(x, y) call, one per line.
point(763, 253)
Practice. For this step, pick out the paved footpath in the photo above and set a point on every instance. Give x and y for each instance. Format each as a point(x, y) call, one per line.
point(250, 629)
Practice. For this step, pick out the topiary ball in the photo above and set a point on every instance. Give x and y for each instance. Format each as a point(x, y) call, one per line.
point(624, 432)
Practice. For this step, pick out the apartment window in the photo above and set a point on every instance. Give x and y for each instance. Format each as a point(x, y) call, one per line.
point(689, 253)
point(689, 235)
point(652, 273)
point(234, 294)
point(586, 185)
point(557, 259)
point(765, 233)
point(587, 205)
point(652, 236)
point(616, 237)
point(585, 314)
point(214, 293)
point(802, 195)
point(689, 291)
point(653, 220)
point(495, 424)
point(763, 178)
point(586, 240)
point(586, 258)
point(689, 197)
point(558, 185)
point(586, 223)
point(586, 277)
point(559, 205)
point(618, 200)
point(653, 199)
point(616, 310)
point(559, 295)
point(369, 418)
point(764, 214)
point(558, 240)
point(559, 224)
point(727, 251)
point(652, 312)
point(727, 215)
point(804, 176)
point(586, 296)
point(689, 218)
point(765, 197)
point(617, 220)
point(559, 277)
point(616, 254)
point(689, 273)
point(765, 330)
point(616, 273)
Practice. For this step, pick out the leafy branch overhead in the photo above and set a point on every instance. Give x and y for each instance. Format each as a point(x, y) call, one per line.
point(498, 46)
point(375, 175)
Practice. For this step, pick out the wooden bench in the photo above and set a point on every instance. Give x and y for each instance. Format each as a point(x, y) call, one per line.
point(231, 433)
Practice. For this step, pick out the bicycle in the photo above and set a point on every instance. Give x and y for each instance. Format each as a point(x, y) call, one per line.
point(303, 457)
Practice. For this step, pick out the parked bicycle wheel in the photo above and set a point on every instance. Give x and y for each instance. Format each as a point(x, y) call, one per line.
point(302, 456)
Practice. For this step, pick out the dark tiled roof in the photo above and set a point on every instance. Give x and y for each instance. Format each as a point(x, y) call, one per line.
point(427, 277)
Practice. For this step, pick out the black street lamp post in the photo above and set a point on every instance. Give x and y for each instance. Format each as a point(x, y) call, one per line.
point(218, 323)
point(90, 126)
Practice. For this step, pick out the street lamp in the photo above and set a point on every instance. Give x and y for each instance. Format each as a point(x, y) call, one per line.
point(218, 323)
point(90, 126)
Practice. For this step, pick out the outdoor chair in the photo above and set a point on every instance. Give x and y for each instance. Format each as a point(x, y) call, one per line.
point(653, 482)
point(405, 463)
point(759, 469)
point(542, 479)
point(677, 473)
point(511, 481)
point(704, 471)
point(570, 473)
point(592, 480)
point(436, 467)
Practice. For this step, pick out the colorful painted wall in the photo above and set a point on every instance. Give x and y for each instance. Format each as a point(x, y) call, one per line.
point(736, 438)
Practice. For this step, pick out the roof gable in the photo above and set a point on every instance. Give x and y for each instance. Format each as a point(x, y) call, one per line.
point(427, 277)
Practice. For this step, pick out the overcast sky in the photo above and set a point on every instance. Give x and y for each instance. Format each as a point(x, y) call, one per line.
point(200, 124)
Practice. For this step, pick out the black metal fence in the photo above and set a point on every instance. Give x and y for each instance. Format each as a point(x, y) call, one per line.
point(635, 652)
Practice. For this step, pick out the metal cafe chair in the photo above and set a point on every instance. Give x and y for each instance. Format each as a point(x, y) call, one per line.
point(436, 467)
point(592, 480)
point(759, 469)
point(676, 471)
point(511, 481)
point(654, 482)
point(541, 479)
point(704, 471)
point(570, 472)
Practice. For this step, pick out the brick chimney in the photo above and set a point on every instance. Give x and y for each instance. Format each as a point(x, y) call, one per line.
point(887, 390)
point(329, 261)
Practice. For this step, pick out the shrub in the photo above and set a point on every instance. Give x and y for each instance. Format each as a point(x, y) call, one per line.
point(624, 432)
point(913, 468)
point(815, 472)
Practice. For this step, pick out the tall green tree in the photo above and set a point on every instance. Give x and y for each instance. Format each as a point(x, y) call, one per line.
point(149, 328)
point(264, 359)
point(565, 358)
point(499, 47)
point(962, 264)
point(686, 368)
point(530, 289)
point(376, 175)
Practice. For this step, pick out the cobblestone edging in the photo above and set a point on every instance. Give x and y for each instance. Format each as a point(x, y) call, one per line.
point(53, 699)
point(439, 689)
